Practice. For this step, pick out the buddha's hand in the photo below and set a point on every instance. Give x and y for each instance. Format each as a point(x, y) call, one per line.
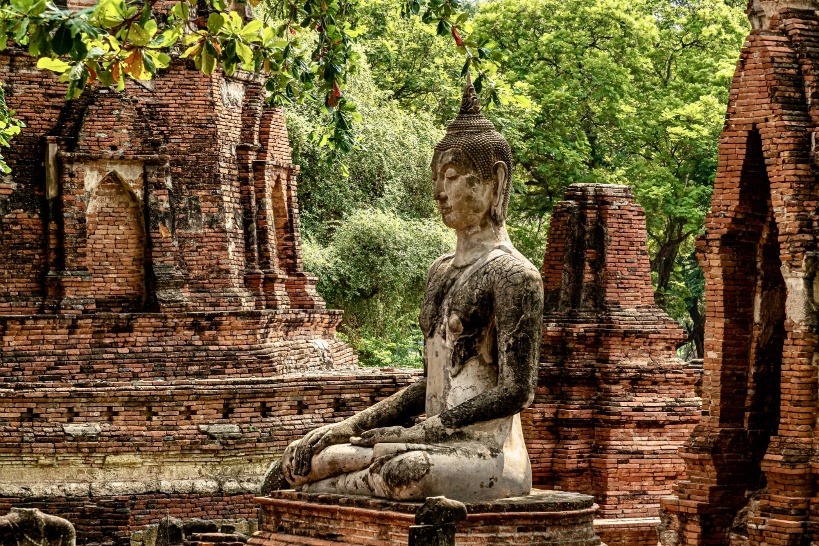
point(316, 441)
point(429, 431)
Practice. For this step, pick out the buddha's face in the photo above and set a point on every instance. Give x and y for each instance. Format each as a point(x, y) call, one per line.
point(463, 197)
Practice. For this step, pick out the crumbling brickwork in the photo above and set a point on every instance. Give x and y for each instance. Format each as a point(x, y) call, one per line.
point(751, 462)
point(113, 457)
point(613, 403)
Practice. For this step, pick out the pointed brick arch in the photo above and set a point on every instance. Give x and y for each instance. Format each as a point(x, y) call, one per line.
point(115, 248)
point(752, 300)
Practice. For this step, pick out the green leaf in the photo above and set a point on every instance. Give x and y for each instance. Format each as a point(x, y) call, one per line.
point(76, 72)
point(215, 22)
point(63, 41)
point(53, 64)
point(140, 36)
point(80, 49)
point(148, 62)
point(251, 31)
point(160, 60)
point(245, 54)
point(181, 11)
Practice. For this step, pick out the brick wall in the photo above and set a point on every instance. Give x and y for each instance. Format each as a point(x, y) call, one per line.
point(114, 459)
point(749, 464)
point(113, 348)
point(613, 403)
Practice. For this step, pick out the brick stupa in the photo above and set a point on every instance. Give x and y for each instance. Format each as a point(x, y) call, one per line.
point(751, 464)
point(613, 403)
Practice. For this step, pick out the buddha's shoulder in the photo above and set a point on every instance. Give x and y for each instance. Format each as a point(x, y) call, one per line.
point(510, 259)
point(513, 268)
point(436, 265)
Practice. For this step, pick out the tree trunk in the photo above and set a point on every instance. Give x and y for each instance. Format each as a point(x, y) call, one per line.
point(697, 331)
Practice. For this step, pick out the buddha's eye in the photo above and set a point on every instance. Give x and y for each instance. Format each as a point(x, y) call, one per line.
point(451, 173)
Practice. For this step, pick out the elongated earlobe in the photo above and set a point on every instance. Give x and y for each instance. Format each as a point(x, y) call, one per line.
point(499, 170)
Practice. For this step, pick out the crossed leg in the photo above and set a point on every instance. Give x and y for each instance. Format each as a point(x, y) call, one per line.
point(400, 471)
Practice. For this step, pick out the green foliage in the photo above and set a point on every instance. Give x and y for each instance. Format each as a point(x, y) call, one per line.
point(621, 91)
point(389, 171)
point(9, 127)
point(304, 49)
point(409, 60)
point(375, 269)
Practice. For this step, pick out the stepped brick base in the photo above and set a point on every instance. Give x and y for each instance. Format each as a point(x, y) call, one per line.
point(627, 531)
point(543, 518)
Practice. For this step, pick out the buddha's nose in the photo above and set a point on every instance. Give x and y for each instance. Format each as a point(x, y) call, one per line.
point(440, 196)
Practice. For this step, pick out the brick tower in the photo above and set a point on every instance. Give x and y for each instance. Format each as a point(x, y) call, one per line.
point(751, 463)
point(613, 403)
point(160, 341)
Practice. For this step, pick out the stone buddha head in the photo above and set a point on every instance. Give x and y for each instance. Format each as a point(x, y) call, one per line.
point(472, 169)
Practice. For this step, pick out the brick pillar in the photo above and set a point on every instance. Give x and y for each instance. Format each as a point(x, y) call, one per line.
point(282, 175)
point(268, 218)
point(254, 278)
point(613, 403)
point(300, 285)
point(166, 282)
point(68, 281)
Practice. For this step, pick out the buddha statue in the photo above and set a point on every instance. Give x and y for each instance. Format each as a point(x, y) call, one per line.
point(481, 319)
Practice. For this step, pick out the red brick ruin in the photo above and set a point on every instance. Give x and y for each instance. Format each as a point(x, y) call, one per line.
point(751, 463)
point(613, 403)
point(160, 342)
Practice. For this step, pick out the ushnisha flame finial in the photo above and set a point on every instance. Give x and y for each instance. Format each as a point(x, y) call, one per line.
point(470, 103)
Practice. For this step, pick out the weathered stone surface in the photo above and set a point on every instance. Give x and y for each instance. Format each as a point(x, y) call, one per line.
point(222, 432)
point(543, 518)
point(440, 510)
point(751, 462)
point(170, 532)
point(30, 527)
point(435, 522)
point(481, 319)
point(273, 479)
point(196, 531)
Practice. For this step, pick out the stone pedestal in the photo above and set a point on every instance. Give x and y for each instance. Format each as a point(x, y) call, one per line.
point(543, 518)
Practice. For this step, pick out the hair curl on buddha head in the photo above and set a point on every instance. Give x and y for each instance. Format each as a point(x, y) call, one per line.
point(476, 136)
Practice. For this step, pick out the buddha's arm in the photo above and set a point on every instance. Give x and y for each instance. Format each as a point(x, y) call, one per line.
point(406, 403)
